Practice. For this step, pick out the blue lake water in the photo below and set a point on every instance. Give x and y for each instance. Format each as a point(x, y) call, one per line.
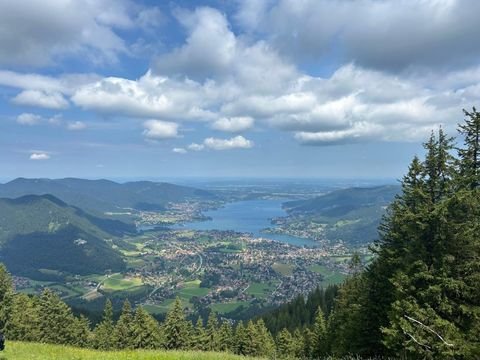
point(248, 216)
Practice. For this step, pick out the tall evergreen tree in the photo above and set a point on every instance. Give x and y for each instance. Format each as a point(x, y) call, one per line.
point(146, 332)
point(24, 320)
point(211, 333)
point(104, 338)
point(225, 337)
point(6, 295)
point(469, 155)
point(175, 327)
point(124, 328)
point(199, 338)
point(55, 320)
point(319, 345)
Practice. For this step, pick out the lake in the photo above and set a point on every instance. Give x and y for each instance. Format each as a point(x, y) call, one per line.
point(248, 216)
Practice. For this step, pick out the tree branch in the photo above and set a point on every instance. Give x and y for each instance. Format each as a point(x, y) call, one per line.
point(427, 328)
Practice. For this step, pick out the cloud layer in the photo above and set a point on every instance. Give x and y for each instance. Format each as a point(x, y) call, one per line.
point(390, 73)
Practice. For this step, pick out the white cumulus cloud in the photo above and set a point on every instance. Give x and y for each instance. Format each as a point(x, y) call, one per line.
point(237, 142)
point(39, 156)
point(233, 124)
point(159, 130)
point(29, 119)
point(179, 150)
point(49, 100)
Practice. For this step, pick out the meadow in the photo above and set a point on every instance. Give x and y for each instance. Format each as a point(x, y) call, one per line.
point(34, 351)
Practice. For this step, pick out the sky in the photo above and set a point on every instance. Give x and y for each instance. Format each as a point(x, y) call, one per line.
point(247, 88)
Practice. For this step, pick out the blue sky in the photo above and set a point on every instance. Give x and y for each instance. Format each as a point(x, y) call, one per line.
point(253, 88)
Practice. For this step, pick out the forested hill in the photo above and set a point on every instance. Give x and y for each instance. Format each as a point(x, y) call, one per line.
point(341, 202)
point(105, 195)
point(350, 215)
point(42, 232)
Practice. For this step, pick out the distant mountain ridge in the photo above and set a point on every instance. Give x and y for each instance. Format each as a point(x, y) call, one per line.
point(100, 196)
point(341, 202)
point(42, 232)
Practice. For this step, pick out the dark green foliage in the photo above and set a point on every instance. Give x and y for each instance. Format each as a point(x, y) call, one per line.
point(359, 209)
point(301, 313)
point(212, 342)
point(6, 294)
point(175, 328)
point(146, 332)
point(104, 337)
point(24, 319)
point(124, 329)
point(41, 232)
point(55, 320)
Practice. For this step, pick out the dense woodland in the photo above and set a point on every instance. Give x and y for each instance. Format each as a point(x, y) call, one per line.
point(418, 299)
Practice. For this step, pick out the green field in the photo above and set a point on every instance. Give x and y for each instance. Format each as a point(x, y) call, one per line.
point(329, 276)
point(118, 283)
point(35, 351)
point(261, 290)
point(191, 289)
point(284, 269)
point(228, 307)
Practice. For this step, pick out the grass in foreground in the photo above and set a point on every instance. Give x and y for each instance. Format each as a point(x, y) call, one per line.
point(34, 351)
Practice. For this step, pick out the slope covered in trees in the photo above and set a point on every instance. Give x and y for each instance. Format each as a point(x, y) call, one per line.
point(42, 232)
point(351, 215)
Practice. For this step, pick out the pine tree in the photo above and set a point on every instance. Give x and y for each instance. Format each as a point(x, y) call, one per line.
point(175, 328)
point(225, 337)
point(6, 295)
point(286, 348)
point(146, 332)
point(104, 332)
point(124, 328)
point(267, 343)
point(469, 156)
point(24, 320)
point(55, 320)
point(199, 338)
point(240, 339)
point(82, 336)
point(319, 345)
point(211, 333)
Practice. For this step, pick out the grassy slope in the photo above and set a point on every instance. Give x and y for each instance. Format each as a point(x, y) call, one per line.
point(34, 351)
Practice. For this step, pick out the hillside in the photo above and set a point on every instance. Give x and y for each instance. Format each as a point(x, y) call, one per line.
point(104, 195)
point(35, 351)
point(42, 232)
point(341, 202)
point(351, 215)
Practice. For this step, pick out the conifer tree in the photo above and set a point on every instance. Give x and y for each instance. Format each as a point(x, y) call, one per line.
point(240, 342)
point(175, 327)
point(123, 332)
point(319, 344)
point(469, 155)
point(82, 336)
point(24, 320)
point(211, 333)
point(55, 320)
point(104, 332)
point(146, 332)
point(199, 338)
point(266, 342)
point(286, 348)
point(225, 337)
point(6, 295)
